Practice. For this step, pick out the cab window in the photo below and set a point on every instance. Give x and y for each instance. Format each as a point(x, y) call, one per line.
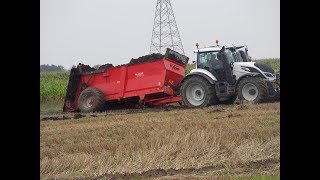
point(209, 61)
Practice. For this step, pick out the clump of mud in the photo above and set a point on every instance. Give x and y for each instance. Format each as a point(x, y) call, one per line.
point(78, 116)
point(242, 107)
point(55, 118)
point(104, 67)
point(147, 58)
point(86, 69)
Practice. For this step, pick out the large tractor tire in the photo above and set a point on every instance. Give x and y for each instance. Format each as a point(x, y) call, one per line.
point(253, 89)
point(198, 92)
point(91, 100)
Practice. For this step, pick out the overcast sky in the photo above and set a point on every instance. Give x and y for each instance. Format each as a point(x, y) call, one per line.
point(114, 31)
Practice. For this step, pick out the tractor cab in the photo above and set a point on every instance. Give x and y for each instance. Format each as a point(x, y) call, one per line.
point(218, 60)
point(207, 58)
point(240, 53)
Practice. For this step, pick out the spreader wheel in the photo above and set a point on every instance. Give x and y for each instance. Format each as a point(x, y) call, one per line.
point(91, 100)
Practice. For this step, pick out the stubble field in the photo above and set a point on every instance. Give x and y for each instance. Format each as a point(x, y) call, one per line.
point(216, 142)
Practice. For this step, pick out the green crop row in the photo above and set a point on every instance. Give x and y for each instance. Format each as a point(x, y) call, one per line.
point(53, 85)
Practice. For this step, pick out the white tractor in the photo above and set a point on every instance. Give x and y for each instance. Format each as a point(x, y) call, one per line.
point(224, 73)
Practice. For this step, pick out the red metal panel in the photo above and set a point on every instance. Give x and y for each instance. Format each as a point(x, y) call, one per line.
point(123, 82)
point(113, 83)
point(145, 79)
point(165, 100)
point(138, 80)
point(175, 73)
point(174, 67)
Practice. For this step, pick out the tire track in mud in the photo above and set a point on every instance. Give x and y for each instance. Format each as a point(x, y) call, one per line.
point(58, 115)
point(156, 173)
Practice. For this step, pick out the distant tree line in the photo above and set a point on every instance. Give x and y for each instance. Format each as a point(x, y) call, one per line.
point(51, 68)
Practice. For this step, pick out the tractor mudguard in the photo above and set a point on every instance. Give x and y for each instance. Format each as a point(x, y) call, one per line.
point(207, 77)
point(196, 72)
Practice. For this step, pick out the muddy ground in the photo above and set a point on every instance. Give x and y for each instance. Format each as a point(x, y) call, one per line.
point(59, 115)
point(157, 173)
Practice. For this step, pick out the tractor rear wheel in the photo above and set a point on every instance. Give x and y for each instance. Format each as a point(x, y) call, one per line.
point(198, 92)
point(91, 100)
point(252, 89)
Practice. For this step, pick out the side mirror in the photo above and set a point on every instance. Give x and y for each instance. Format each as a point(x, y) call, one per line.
point(220, 54)
point(222, 49)
point(244, 56)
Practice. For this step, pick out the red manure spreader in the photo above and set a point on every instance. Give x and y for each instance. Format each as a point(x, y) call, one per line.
point(151, 80)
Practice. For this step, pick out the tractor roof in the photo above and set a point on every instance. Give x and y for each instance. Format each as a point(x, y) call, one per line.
point(215, 48)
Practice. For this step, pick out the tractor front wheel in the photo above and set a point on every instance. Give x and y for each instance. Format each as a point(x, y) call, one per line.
point(91, 100)
point(252, 89)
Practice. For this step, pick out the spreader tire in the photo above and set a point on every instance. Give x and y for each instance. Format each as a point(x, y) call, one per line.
point(91, 100)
